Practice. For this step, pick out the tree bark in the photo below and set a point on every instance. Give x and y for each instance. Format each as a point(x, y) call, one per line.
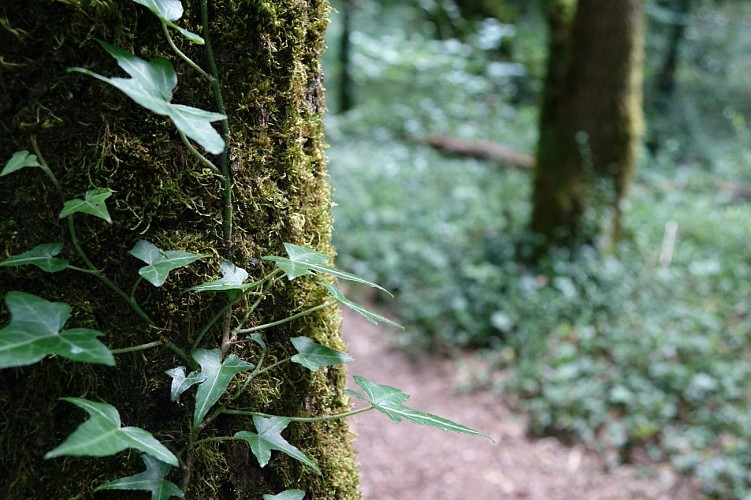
point(268, 56)
point(590, 118)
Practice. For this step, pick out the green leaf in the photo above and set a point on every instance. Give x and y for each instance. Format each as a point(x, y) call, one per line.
point(181, 383)
point(19, 160)
point(101, 436)
point(168, 11)
point(304, 260)
point(34, 332)
point(232, 279)
point(151, 86)
point(258, 339)
point(152, 479)
point(42, 256)
point(369, 315)
point(286, 495)
point(388, 400)
point(313, 356)
point(268, 437)
point(218, 376)
point(92, 204)
point(160, 262)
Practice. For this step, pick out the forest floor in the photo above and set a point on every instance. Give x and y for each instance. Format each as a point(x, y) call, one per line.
point(406, 461)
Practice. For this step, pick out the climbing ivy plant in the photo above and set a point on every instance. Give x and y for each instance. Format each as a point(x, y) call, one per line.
point(36, 327)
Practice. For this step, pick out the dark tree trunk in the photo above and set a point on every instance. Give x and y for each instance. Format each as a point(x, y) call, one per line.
point(664, 86)
point(93, 136)
point(590, 118)
point(346, 84)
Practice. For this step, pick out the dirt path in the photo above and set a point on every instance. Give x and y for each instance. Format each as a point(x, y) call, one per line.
point(406, 461)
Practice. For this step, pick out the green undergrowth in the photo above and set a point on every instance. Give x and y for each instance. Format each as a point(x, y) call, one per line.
point(638, 351)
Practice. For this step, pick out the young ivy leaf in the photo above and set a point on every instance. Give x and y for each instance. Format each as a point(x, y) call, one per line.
point(19, 160)
point(369, 315)
point(304, 260)
point(101, 436)
point(151, 86)
point(181, 383)
point(258, 339)
point(42, 256)
point(92, 204)
point(232, 279)
point(168, 11)
point(34, 332)
point(268, 437)
point(152, 479)
point(286, 495)
point(218, 376)
point(313, 356)
point(388, 400)
point(160, 262)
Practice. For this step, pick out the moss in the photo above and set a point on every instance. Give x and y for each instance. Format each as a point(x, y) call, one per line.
point(93, 136)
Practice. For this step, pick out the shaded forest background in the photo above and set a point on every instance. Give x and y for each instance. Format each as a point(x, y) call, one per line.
point(637, 346)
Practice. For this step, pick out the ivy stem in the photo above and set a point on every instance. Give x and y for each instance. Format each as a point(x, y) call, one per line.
point(285, 320)
point(206, 162)
point(182, 55)
point(136, 348)
point(270, 367)
point(270, 280)
point(250, 378)
point(93, 270)
point(336, 416)
point(43, 164)
point(224, 161)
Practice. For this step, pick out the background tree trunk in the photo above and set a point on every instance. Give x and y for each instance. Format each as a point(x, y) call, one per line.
point(665, 80)
point(92, 135)
point(590, 118)
point(346, 82)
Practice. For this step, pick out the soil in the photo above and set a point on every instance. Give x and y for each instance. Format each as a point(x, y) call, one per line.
point(407, 461)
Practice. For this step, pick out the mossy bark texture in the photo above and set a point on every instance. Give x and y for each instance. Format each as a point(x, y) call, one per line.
point(591, 116)
point(267, 53)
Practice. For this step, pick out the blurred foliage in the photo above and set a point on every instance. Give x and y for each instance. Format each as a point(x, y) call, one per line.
point(633, 350)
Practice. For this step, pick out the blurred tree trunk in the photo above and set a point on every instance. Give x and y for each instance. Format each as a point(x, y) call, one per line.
point(92, 135)
point(346, 84)
point(664, 85)
point(590, 118)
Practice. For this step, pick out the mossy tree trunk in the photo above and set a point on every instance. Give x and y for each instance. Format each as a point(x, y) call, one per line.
point(591, 117)
point(267, 53)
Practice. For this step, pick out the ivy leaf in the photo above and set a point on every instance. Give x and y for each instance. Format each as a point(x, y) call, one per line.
point(152, 479)
point(168, 11)
point(161, 262)
point(388, 400)
point(34, 332)
point(369, 315)
point(101, 436)
point(304, 260)
point(218, 376)
point(42, 256)
point(258, 339)
point(92, 204)
point(313, 356)
point(269, 437)
point(286, 495)
point(19, 160)
point(151, 85)
point(181, 383)
point(232, 279)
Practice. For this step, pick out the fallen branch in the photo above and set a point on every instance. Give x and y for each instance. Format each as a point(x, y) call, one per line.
point(483, 150)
